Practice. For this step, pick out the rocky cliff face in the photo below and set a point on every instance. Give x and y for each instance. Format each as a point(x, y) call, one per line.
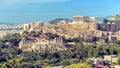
point(70, 30)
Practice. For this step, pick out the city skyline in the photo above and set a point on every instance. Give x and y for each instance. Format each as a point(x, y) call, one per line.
point(20, 11)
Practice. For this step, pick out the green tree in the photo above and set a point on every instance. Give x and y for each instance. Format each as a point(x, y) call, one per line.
point(119, 58)
point(79, 65)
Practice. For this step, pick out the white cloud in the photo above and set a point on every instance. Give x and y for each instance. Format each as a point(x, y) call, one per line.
point(7, 3)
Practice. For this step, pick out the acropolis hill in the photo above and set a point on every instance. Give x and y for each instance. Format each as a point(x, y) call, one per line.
point(81, 26)
point(65, 28)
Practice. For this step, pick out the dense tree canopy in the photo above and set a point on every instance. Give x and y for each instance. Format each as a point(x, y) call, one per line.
point(11, 56)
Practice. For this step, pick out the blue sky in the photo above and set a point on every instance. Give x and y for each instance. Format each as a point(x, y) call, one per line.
point(25, 11)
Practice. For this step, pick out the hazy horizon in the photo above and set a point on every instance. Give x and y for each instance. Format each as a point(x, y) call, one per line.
point(25, 11)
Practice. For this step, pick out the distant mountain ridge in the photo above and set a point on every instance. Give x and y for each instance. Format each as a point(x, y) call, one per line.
point(58, 20)
point(9, 23)
point(5, 23)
